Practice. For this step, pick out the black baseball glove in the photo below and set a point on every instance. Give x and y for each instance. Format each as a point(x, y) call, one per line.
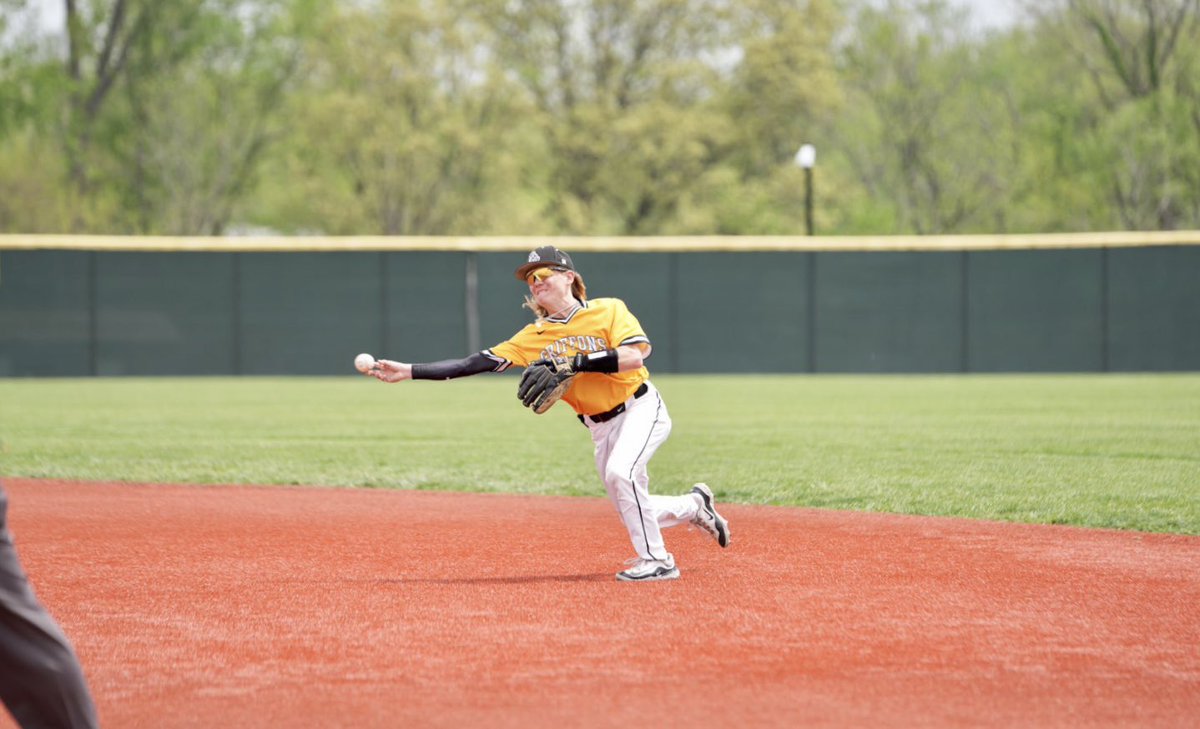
point(545, 381)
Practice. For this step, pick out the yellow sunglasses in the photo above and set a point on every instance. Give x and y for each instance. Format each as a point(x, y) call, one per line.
point(541, 274)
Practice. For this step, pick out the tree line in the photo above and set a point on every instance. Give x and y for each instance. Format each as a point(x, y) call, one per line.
point(596, 117)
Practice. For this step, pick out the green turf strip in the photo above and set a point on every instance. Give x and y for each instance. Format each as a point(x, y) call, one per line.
point(1096, 450)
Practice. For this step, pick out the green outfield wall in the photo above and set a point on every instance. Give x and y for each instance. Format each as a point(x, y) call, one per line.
point(76, 307)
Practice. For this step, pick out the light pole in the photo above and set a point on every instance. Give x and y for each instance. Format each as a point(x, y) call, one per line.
point(806, 158)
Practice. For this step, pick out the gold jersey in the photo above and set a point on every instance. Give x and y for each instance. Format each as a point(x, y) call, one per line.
point(594, 326)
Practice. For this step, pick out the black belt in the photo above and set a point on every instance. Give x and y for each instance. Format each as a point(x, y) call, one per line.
point(607, 416)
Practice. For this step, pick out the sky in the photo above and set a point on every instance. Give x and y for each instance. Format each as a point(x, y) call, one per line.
point(991, 13)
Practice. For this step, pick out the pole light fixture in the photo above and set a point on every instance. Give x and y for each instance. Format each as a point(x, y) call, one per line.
point(807, 156)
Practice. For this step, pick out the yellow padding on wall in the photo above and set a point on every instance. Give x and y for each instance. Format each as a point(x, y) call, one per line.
point(599, 244)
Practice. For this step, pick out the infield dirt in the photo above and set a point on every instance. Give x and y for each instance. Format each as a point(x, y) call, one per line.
point(226, 606)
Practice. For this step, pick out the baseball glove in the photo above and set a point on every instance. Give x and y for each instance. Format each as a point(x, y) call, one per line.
point(545, 381)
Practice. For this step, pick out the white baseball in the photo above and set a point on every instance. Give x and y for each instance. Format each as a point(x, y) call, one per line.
point(364, 362)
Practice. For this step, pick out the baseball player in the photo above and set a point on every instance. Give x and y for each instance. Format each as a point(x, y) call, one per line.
point(591, 354)
point(41, 681)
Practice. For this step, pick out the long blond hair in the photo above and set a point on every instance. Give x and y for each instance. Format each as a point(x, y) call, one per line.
point(578, 290)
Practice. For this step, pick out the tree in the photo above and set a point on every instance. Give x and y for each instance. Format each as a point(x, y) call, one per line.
point(31, 198)
point(785, 85)
point(165, 104)
point(99, 37)
point(923, 132)
point(778, 88)
point(620, 88)
point(203, 129)
point(399, 130)
point(1133, 45)
point(1045, 105)
point(1141, 56)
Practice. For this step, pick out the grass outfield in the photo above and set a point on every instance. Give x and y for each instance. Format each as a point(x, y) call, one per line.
point(1097, 450)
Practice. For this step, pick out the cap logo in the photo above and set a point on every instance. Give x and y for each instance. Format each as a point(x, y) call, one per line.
point(534, 257)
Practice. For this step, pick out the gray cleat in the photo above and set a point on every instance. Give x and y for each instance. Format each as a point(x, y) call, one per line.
point(707, 518)
point(649, 570)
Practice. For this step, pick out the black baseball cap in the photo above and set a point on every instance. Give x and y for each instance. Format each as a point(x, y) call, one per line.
point(546, 256)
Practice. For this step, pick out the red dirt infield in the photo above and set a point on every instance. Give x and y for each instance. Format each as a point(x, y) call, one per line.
point(226, 606)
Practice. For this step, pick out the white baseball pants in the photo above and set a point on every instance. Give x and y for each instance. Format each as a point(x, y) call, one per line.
point(624, 446)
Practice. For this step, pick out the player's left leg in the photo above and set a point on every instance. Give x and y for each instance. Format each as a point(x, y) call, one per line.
point(696, 507)
point(629, 441)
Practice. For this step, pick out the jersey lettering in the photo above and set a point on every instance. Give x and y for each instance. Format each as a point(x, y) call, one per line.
point(569, 346)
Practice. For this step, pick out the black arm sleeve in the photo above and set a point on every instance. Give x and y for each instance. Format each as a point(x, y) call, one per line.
point(448, 369)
